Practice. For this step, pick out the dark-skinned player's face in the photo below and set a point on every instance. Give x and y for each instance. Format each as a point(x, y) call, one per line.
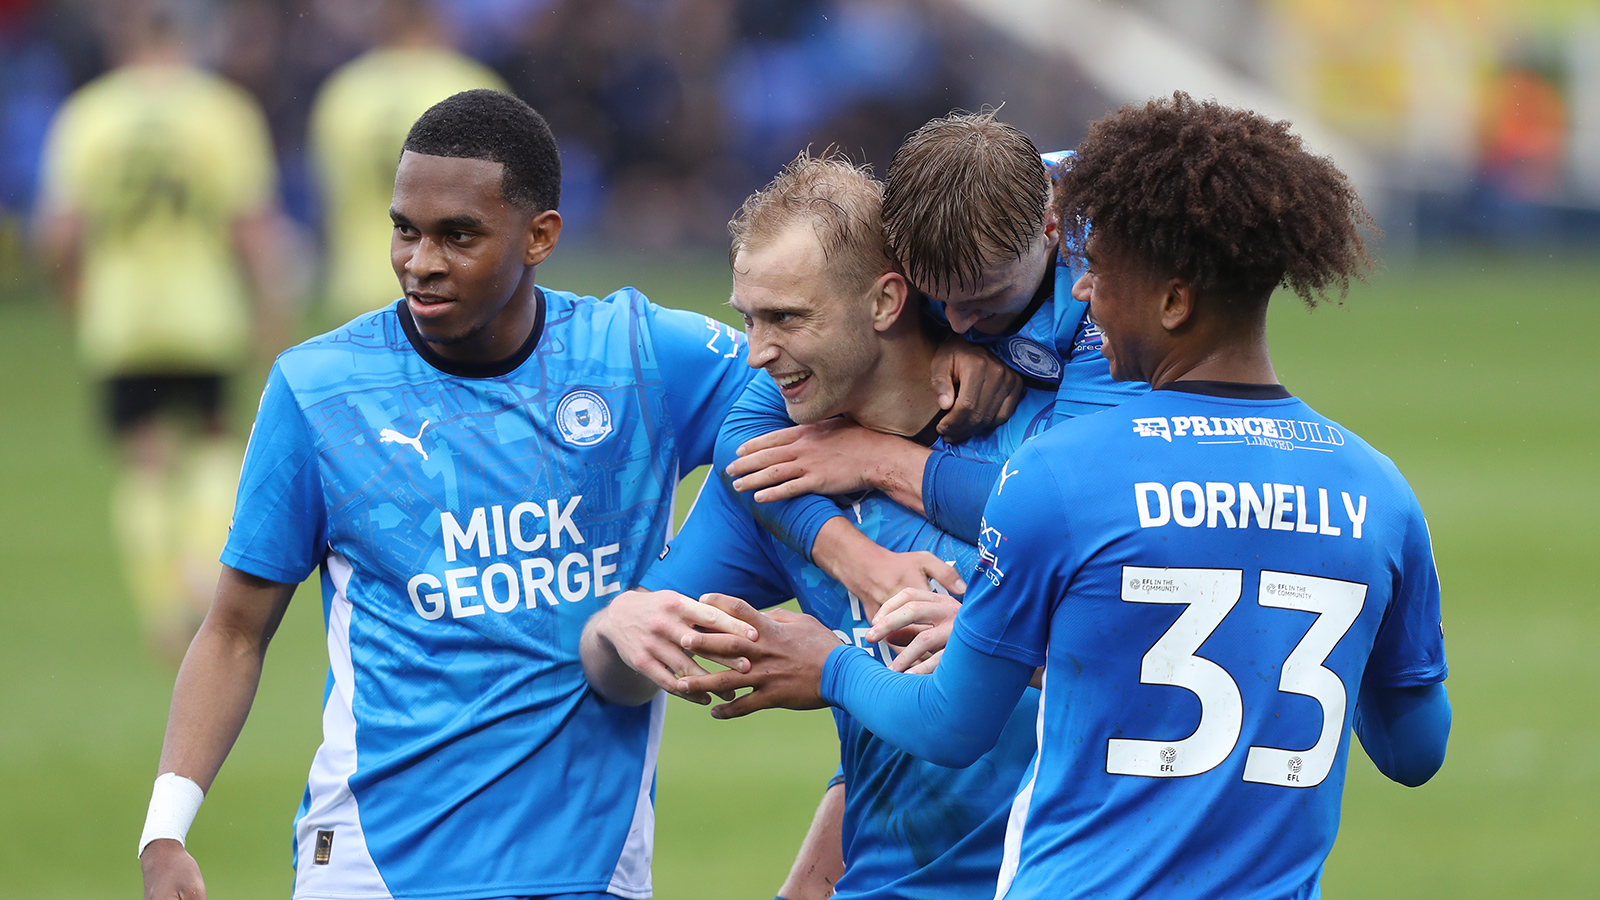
point(464, 255)
point(1125, 304)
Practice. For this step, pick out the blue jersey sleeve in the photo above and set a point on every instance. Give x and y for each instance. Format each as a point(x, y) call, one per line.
point(1024, 553)
point(279, 527)
point(1409, 649)
point(720, 550)
point(760, 411)
point(954, 491)
point(703, 366)
point(949, 718)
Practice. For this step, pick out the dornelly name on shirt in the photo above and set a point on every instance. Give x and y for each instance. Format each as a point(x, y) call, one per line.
point(1278, 507)
point(519, 580)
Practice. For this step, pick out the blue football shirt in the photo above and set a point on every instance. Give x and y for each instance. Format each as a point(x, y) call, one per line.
point(468, 520)
point(1207, 599)
point(1053, 345)
point(911, 828)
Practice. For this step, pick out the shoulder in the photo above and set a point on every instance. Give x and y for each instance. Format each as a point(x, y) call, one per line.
point(367, 345)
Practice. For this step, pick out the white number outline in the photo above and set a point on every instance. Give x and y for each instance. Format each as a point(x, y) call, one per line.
point(1337, 604)
point(1208, 596)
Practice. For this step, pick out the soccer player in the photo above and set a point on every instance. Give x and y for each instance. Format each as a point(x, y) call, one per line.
point(819, 292)
point(157, 211)
point(1234, 582)
point(476, 470)
point(965, 210)
point(358, 122)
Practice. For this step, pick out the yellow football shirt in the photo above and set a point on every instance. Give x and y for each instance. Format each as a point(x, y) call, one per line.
point(359, 122)
point(159, 161)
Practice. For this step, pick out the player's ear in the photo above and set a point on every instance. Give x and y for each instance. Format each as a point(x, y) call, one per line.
point(544, 230)
point(1177, 303)
point(888, 296)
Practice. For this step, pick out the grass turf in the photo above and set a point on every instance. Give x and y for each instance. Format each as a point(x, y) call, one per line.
point(1475, 375)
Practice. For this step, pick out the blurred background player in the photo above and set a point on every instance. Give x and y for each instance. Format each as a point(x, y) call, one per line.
point(358, 123)
point(820, 292)
point(158, 218)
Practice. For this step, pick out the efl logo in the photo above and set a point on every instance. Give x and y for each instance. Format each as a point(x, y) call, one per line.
point(1283, 434)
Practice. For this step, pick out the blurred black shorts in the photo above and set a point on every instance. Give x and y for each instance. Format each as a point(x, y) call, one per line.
point(131, 399)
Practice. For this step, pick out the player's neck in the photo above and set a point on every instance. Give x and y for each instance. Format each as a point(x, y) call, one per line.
point(1240, 359)
point(897, 396)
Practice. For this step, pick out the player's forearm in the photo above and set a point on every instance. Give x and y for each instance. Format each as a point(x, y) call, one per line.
point(1405, 730)
point(955, 490)
point(217, 682)
point(798, 522)
point(949, 718)
point(259, 240)
point(59, 236)
point(820, 862)
point(898, 472)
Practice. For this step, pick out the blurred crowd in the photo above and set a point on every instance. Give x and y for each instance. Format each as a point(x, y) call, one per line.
point(668, 112)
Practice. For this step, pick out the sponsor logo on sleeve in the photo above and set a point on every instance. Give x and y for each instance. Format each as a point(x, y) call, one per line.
point(583, 418)
point(989, 540)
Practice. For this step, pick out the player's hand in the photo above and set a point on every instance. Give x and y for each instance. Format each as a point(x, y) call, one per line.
point(834, 456)
point(876, 575)
point(921, 621)
point(785, 661)
point(979, 391)
point(646, 629)
point(170, 873)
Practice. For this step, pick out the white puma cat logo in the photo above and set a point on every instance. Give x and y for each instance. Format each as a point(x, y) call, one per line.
point(390, 436)
point(1003, 476)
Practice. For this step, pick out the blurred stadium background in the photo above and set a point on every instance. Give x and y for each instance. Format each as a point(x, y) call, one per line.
point(1473, 127)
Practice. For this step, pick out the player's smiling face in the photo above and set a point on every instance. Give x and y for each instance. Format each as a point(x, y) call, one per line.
point(1125, 302)
point(465, 255)
point(815, 343)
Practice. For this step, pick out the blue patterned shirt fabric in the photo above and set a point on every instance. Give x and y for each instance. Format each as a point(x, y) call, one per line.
point(467, 521)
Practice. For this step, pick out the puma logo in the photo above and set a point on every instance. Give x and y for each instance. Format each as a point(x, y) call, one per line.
point(1003, 476)
point(390, 436)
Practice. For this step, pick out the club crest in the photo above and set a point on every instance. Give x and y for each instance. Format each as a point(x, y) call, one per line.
point(1033, 358)
point(583, 418)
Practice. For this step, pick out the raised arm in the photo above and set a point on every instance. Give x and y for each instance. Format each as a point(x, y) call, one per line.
point(215, 687)
point(814, 526)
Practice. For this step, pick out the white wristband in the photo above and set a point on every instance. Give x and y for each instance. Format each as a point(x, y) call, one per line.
point(173, 803)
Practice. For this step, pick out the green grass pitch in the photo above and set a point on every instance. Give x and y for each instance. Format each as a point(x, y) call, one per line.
point(1478, 376)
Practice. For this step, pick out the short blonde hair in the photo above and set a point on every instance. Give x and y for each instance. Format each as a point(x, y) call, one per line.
point(844, 205)
point(965, 191)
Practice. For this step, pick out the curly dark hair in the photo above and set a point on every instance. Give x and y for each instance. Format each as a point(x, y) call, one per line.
point(1223, 197)
point(497, 127)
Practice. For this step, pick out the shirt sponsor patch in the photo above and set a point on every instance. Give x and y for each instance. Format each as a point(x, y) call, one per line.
point(1282, 434)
